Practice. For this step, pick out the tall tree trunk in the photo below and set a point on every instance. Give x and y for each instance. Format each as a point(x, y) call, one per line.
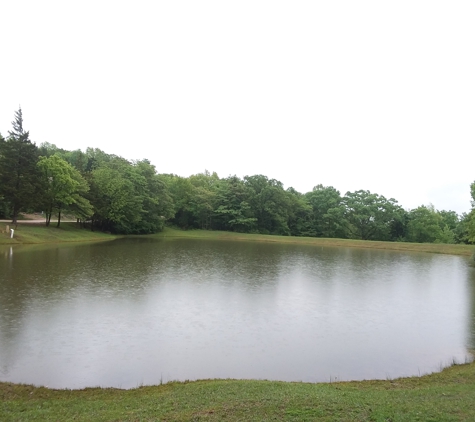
point(15, 214)
point(59, 217)
point(48, 216)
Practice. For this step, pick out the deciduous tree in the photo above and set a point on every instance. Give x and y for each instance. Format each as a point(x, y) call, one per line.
point(269, 204)
point(424, 225)
point(369, 215)
point(231, 209)
point(328, 212)
point(63, 187)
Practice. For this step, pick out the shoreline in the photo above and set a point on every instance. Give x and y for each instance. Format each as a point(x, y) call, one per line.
point(34, 233)
point(439, 248)
point(445, 395)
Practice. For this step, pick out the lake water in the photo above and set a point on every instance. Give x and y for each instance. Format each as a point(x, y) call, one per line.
point(143, 311)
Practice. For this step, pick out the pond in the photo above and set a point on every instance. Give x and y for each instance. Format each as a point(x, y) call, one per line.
point(142, 311)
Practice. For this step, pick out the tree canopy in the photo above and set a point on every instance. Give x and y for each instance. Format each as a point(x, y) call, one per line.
point(62, 187)
point(107, 192)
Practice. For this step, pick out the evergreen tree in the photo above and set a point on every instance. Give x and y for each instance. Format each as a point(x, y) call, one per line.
point(18, 173)
point(3, 204)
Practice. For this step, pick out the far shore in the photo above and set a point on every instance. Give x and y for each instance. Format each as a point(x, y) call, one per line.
point(31, 233)
point(440, 248)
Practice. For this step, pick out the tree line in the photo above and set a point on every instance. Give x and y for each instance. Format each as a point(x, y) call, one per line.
point(109, 193)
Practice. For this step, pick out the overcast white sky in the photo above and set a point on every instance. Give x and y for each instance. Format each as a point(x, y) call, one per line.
point(374, 95)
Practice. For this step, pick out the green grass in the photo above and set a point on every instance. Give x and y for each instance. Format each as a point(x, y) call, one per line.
point(445, 396)
point(70, 232)
point(38, 233)
point(465, 250)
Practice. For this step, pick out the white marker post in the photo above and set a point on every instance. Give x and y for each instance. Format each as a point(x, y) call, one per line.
point(13, 231)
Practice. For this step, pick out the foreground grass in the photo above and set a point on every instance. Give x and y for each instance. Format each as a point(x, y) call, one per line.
point(39, 233)
point(465, 250)
point(445, 396)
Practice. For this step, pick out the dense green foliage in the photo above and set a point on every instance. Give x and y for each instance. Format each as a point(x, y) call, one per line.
point(109, 193)
point(62, 186)
point(18, 171)
point(103, 191)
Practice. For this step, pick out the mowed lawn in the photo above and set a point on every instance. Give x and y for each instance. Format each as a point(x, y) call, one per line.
point(37, 232)
point(445, 396)
point(26, 233)
point(464, 250)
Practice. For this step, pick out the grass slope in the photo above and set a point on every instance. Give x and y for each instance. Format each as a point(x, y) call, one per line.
point(39, 233)
point(445, 396)
point(70, 232)
point(465, 250)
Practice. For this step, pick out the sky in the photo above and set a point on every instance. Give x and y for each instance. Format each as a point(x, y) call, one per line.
point(372, 95)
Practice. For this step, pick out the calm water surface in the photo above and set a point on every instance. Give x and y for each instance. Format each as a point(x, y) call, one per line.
point(141, 311)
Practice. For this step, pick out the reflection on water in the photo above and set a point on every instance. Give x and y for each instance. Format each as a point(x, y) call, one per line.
point(138, 311)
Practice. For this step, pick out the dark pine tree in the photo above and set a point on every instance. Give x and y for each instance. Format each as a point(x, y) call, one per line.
point(19, 181)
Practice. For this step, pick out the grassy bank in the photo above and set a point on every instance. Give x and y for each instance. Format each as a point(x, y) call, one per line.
point(445, 396)
point(30, 233)
point(70, 232)
point(465, 250)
